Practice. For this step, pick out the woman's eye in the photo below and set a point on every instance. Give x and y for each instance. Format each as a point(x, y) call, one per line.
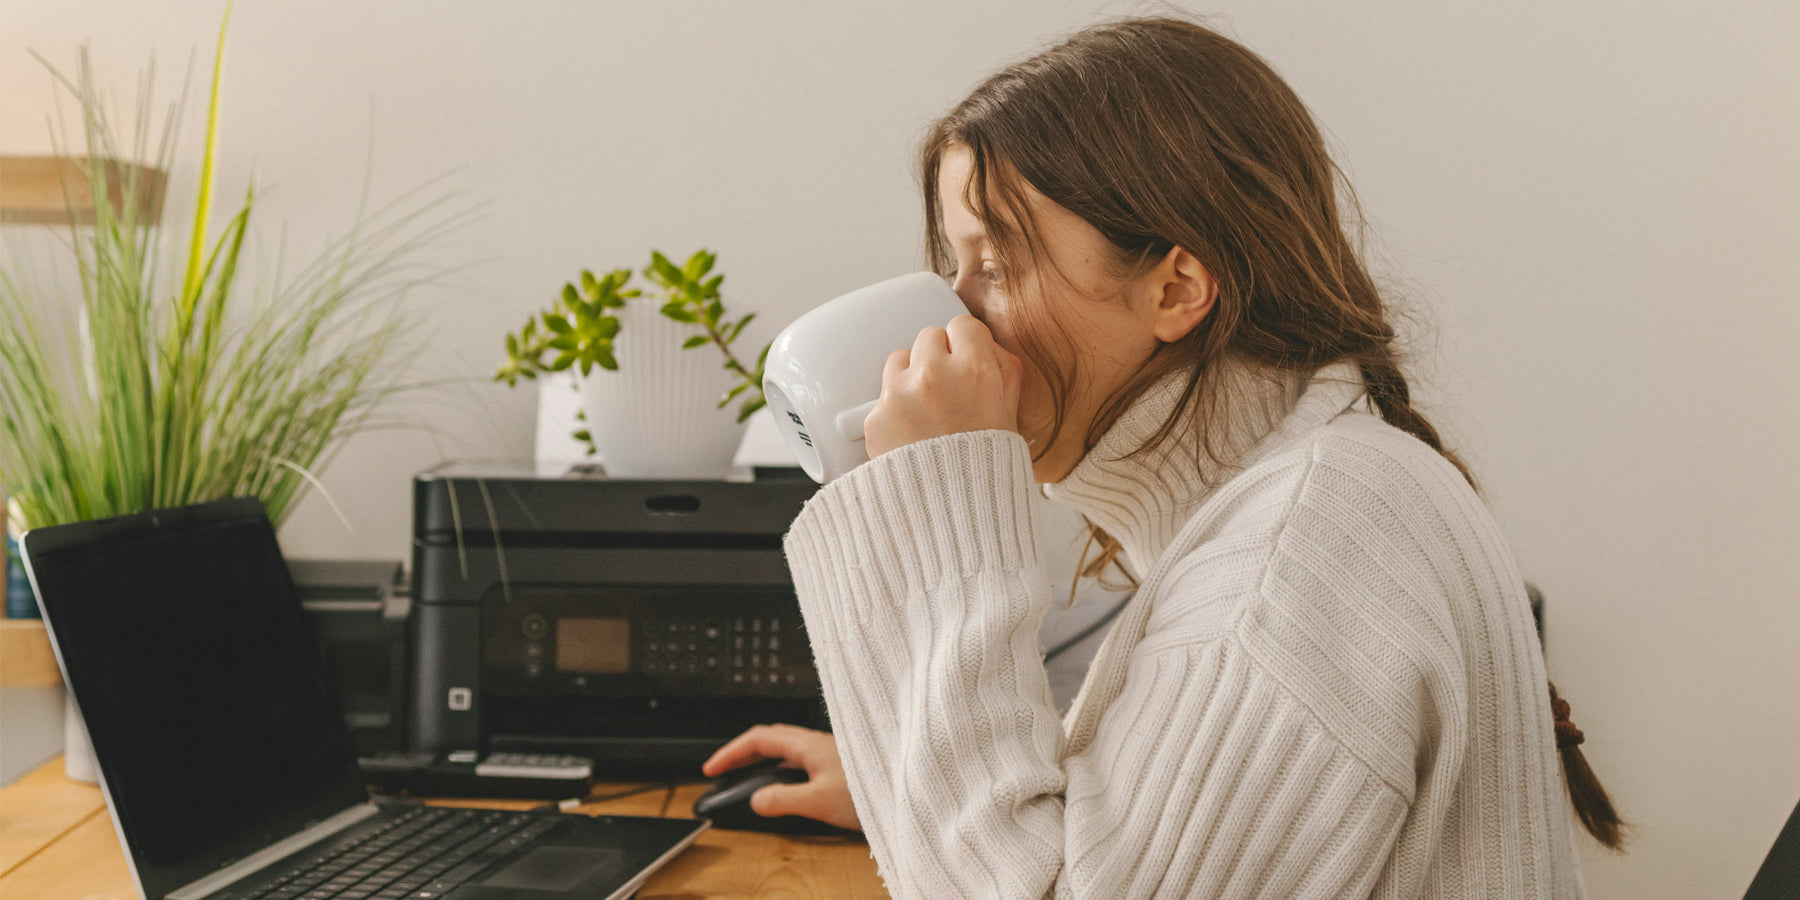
point(986, 273)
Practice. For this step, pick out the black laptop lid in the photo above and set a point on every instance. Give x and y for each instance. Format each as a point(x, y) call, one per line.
point(213, 725)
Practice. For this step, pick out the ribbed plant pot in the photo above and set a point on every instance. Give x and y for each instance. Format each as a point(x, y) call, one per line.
point(78, 751)
point(658, 416)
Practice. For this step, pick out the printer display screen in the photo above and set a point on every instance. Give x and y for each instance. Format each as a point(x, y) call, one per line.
point(593, 646)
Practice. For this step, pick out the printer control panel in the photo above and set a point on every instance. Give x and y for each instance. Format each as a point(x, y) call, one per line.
point(642, 641)
point(745, 650)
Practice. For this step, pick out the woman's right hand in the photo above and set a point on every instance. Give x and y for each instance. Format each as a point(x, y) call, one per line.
point(824, 796)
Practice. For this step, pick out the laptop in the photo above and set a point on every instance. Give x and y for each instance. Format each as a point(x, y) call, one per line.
point(224, 760)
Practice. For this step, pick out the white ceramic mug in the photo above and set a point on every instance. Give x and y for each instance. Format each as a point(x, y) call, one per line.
point(823, 374)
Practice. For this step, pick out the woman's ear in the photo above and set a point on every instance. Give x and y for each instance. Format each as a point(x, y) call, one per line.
point(1186, 292)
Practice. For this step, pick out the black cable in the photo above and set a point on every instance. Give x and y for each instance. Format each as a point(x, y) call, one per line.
point(632, 791)
point(1087, 632)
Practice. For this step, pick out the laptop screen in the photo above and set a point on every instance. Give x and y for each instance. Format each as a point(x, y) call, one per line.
point(211, 718)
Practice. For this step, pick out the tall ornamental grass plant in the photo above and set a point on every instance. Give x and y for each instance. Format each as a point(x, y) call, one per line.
point(157, 391)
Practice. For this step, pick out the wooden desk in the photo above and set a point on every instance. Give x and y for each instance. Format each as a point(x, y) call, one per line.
point(57, 841)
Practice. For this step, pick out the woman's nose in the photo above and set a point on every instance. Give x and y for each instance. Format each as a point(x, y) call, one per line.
point(971, 297)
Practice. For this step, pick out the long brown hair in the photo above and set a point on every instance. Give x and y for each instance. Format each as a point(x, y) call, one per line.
point(1161, 133)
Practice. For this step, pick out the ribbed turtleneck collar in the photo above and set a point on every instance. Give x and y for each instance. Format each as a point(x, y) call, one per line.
point(1144, 500)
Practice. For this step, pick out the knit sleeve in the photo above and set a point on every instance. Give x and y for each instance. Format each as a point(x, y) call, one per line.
point(918, 576)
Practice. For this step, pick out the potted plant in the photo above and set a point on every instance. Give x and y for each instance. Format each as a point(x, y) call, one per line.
point(651, 409)
point(144, 393)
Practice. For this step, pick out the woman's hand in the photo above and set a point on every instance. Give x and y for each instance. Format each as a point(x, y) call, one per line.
point(824, 796)
point(954, 379)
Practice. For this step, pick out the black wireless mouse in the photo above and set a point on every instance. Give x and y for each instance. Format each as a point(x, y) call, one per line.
point(727, 802)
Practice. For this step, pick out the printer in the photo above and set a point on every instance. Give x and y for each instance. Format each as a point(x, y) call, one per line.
point(639, 623)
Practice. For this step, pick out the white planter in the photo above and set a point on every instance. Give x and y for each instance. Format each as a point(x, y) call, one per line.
point(78, 752)
point(658, 415)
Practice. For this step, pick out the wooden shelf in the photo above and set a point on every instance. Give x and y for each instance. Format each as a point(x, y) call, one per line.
point(53, 190)
point(26, 659)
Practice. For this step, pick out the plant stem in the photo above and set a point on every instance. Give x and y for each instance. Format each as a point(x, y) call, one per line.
point(731, 360)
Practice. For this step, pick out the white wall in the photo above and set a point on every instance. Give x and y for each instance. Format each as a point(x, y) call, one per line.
point(1592, 204)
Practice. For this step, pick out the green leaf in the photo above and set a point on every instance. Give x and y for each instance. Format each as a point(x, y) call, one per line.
point(738, 328)
point(714, 310)
point(678, 311)
point(604, 356)
point(562, 362)
point(763, 356)
point(583, 435)
point(729, 395)
point(711, 287)
point(695, 341)
point(665, 270)
point(750, 407)
point(589, 284)
point(558, 324)
point(564, 342)
point(512, 346)
point(569, 297)
point(608, 327)
point(587, 366)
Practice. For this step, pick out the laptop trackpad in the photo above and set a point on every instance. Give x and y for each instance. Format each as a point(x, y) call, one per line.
point(560, 868)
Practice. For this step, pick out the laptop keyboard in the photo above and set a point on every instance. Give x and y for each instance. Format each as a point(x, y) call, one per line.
point(423, 854)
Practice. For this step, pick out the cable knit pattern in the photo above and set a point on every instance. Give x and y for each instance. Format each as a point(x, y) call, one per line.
point(1327, 686)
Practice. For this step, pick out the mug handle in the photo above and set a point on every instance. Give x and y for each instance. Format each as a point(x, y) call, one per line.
point(850, 421)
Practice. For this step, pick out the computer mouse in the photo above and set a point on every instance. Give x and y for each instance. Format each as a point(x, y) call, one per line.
point(727, 802)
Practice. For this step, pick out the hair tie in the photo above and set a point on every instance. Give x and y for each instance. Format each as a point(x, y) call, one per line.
point(1568, 736)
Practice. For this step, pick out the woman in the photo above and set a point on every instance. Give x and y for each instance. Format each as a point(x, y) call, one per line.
point(1328, 683)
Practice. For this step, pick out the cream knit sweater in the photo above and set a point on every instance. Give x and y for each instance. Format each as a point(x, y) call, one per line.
point(1328, 684)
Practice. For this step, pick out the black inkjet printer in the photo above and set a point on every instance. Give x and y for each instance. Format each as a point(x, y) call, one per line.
point(638, 623)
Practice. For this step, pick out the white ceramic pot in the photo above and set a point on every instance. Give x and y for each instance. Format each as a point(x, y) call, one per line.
point(78, 751)
point(658, 416)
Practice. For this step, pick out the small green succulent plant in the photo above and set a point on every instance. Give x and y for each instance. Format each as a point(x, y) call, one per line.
point(579, 330)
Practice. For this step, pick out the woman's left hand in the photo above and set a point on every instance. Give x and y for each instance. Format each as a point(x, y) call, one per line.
point(954, 379)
